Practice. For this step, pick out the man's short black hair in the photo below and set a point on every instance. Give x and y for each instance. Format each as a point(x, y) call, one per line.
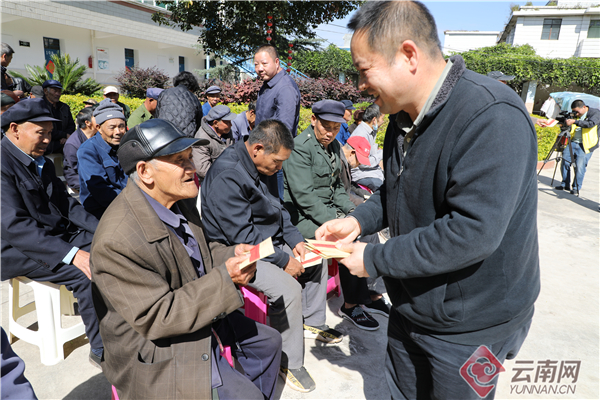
point(577, 104)
point(269, 48)
point(6, 49)
point(387, 24)
point(186, 79)
point(252, 106)
point(371, 112)
point(84, 115)
point(272, 134)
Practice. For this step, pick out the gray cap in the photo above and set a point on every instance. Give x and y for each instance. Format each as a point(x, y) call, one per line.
point(221, 112)
point(213, 90)
point(330, 110)
point(153, 138)
point(499, 76)
point(107, 110)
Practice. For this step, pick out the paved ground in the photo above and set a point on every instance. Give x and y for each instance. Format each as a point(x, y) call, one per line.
point(564, 330)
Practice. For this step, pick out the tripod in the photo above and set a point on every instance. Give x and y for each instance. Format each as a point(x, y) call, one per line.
point(563, 140)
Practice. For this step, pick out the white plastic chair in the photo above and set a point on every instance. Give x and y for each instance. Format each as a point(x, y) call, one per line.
point(51, 301)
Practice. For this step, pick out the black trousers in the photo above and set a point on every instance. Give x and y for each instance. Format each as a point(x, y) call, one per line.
point(77, 282)
point(355, 289)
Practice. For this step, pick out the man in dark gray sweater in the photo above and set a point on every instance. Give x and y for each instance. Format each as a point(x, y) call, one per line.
point(462, 266)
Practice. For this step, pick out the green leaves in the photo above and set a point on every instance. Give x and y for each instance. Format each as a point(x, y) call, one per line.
point(326, 63)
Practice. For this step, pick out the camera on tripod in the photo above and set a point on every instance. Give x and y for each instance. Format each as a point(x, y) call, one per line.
point(563, 116)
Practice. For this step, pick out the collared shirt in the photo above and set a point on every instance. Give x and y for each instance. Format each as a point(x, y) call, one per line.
point(279, 98)
point(177, 223)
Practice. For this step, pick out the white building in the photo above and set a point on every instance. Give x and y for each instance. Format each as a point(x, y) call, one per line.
point(105, 35)
point(565, 29)
point(459, 41)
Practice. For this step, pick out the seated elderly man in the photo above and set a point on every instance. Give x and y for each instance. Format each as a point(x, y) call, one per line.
point(86, 129)
point(314, 194)
point(216, 128)
point(237, 207)
point(166, 303)
point(146, 110)
point(101, 178)
point(213, 96)
point(370, 175)
point(354, 153)
point(46, 234)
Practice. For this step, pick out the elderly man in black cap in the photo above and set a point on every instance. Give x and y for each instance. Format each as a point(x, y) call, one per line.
point(101, 177)
point(216, 128)
point(167, 303)
point(315, 193)
point(213, 96)
point(146, 110)
point(46, 234)
point(64, 124)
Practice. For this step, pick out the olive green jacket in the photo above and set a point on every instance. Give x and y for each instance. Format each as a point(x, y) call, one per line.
point(314, 191)
point(141, 114)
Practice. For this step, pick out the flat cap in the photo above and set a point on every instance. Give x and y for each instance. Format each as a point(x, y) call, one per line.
point(51, 83)
point(348, 104)
point(330, 110)
point(499, 76)
point(37, 91)
point(91, 102)
point(153, 138)
point(213, 90)
point(221, 112)
point(153, 93)
point(32, 110)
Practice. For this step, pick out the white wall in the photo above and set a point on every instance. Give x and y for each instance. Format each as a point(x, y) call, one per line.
point(458, 41)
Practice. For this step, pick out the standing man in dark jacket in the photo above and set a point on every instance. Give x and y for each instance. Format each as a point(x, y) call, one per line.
point(461, 267)
point(64, 126)
point(101, 177)
point(86, 129)
point(180, 106)
point(278, 98)
point(46, 234)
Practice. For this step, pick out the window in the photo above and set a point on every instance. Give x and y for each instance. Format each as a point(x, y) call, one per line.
point(181, 64)
point(551, 29)
point(51, 47)
point(129, 59)
point(594, 29)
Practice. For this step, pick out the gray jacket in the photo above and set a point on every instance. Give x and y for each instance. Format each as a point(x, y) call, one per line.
point(204, 156)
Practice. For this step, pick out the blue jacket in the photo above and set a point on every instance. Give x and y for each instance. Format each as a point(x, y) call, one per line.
point(279, 99)
point(462, 263)
point(70, 161)
point(240, 127)
point(343, 134)
point(206, 108)
point(237, 206)
point(100, 175)
point(39, 218)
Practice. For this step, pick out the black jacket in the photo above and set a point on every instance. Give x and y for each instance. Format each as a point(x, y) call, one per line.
point(181, 107)
point(462, 262)
point(38, 216)
point(62, 128)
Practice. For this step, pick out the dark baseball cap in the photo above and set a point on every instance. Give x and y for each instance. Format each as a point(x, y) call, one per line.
point(221, 112)
point(499, 76)
point(51, 83)
point(330, 110)
point(362, 148)
point(28, 110)
point(151, 139)
point(348, 104)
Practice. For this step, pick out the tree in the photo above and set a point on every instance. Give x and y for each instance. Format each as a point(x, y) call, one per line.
point(67, 71)
point(328, 63)
point(235, 28)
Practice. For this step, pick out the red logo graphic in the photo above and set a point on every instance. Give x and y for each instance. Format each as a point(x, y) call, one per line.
point(480, 369)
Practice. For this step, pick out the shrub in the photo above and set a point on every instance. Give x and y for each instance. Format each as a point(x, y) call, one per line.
point(76, 102)
point(135, 81)
point(67, 71)
point(546, 138)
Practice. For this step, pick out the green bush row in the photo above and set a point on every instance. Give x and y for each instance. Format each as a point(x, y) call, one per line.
point(75, 101)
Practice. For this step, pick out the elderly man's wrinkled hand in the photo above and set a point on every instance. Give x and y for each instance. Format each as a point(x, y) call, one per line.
point(294, 268)
point(355, 261)
point(82, 261)
point(300, 250)
point(345, 230)
point(243, 248)
point(243, 276)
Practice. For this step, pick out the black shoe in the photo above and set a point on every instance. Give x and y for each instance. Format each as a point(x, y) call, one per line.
point(298, 379)
point(95, 359)
point(380, 307)
point(560, 188)
point(359, 317)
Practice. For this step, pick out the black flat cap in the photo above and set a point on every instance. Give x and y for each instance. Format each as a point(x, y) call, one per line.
point(151, 139)
point(32, 110)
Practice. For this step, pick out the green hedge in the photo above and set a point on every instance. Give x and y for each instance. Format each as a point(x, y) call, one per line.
point(75, 101)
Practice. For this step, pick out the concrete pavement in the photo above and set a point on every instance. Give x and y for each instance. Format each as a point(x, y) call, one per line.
point(565, 328)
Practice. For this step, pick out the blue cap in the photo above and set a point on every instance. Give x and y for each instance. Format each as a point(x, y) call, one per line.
point(32, 110)
point(213, 90)
point(153, 92)
point(330, 110)
point(51, 83)
point(221, 112)
point(348, 104)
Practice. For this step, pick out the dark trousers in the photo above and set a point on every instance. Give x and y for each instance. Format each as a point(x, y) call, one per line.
point(420, 366)
point(259, 354)
point(77, 282)
point(355, 289)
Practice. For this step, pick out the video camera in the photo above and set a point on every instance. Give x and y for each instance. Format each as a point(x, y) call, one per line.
point(563, 116)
